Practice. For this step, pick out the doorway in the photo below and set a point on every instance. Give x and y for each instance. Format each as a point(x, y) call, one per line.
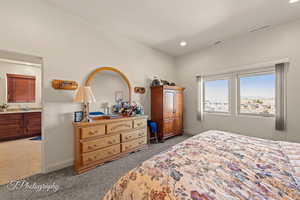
point(21, 111)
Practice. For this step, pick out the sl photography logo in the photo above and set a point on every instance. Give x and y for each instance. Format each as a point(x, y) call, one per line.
point(34, 187)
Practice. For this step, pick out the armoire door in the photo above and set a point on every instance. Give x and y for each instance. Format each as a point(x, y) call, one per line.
point(178, 125)
point(169, 127)
point(178, 104)
point(169, 104)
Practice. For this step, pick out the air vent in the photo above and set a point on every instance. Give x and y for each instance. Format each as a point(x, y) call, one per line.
point(218, 42)
point(260, 28)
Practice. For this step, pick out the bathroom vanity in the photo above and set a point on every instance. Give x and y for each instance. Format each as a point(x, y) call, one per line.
point(19, 124)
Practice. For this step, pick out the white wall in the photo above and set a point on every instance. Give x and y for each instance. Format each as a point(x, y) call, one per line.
point(12, 68)
point(279, 42)
point(71, 49)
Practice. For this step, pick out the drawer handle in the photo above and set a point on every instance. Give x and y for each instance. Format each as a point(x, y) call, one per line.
point(141, 142)
point(90, 147)
point(128, 137)
point(93, 132)
point(141, 133)
point(90, 159)
point(140, 124)
point(111, 141)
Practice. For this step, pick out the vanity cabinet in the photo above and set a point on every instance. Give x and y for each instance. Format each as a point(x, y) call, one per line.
point(32, 124)
point(19, 125)
point(101, 141)
point(167, 110)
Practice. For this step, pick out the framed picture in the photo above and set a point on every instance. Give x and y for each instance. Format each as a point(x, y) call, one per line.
point(119, 96)
point(78, 116)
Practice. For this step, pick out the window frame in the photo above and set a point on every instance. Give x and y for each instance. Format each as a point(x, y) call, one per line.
point(238, 92)
point(229, 79)
point(15, 77)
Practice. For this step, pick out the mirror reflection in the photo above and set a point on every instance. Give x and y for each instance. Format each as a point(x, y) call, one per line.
point(108, 87)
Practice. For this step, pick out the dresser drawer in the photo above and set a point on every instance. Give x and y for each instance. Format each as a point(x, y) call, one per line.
point(100, 143)
point(100, 154)
point(138, 123)
point(133, 135)
point(134, 144)
point(120, 126)
point(92, 131)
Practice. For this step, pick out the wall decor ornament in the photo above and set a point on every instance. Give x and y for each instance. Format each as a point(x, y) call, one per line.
point(156, 81)
point(140, 90)
point(64, 85)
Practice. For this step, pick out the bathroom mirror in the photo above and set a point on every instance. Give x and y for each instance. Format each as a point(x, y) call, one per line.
point(108, 85)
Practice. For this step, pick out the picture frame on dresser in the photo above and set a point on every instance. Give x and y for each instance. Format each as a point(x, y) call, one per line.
point(78, 116)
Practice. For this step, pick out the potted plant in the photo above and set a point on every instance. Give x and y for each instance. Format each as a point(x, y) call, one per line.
point(3, 107)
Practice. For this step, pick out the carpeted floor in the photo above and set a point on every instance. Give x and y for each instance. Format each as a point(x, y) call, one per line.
point(88, 186)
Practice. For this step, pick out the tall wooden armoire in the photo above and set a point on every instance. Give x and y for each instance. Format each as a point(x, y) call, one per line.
point(167, 110)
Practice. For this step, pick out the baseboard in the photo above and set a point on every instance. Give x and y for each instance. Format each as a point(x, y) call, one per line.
point(192, 131)
point(59, 165)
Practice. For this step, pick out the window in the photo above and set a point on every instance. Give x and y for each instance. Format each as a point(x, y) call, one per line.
point(20, 88)
point(257, 94)
point(216, 96)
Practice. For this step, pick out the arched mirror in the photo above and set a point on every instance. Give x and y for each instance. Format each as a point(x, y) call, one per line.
point(108, 85)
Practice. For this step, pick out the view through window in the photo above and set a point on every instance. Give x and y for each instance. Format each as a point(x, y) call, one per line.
point(257, 94)
point(216, 96)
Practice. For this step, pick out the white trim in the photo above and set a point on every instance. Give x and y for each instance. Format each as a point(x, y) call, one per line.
point(59, 165)
point(215, 77)
point(250, 67)
point(256, 72)
point(20, 62)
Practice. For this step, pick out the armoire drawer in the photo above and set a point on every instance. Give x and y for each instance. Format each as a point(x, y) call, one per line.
point(133, 135)
point(100, 154)
point(134, 144)
point(119, 126)
point(100, 143)
point(92, 131)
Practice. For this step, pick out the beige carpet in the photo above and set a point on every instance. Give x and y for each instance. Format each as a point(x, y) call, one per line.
point(19, 159)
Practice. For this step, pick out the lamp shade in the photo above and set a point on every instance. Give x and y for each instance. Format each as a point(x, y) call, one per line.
point(84, 95)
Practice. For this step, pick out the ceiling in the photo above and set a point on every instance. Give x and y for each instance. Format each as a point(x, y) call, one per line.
point(162, 24)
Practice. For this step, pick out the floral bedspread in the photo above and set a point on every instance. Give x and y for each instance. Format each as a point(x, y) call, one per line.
point(215, 165)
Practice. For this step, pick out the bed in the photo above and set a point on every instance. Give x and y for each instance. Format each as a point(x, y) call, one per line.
point(215, 165)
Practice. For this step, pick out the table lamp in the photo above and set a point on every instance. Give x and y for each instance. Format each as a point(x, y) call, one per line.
point(85, 96)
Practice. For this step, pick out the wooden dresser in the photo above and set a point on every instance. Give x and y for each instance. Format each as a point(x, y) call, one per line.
point(167, 110)
point(105, 140)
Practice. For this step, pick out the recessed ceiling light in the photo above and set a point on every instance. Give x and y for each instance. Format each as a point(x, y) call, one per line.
point(293, 1)
point(183, 43)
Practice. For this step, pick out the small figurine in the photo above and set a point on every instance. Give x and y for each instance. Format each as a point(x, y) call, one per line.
point(3, 107)
point(156, 81)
